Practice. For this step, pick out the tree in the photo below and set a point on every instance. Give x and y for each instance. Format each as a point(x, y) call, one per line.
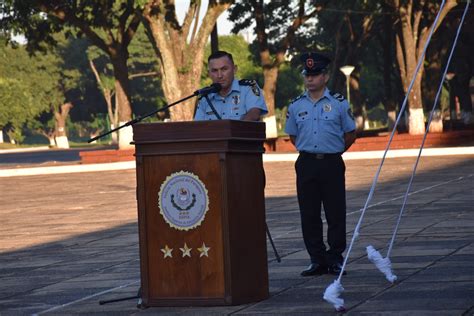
point(23, 95)
point(276, 26)
point(180, 48)
point(143, 75)
point(59, 66)
point(346, 31)
point(109, 25)
point(415, 19)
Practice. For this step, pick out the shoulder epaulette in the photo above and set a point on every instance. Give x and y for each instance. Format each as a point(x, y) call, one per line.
point(337, 96)
point(252, 83)
point(247, 82)
point(297, 98)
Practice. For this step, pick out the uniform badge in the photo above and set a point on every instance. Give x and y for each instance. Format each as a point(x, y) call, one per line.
point(327, 107)
point(236, 99)
point(255, 90)
point(349, 112)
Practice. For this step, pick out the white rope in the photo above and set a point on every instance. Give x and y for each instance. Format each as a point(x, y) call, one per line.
point(336, 290)
point(402, 109)
point(427, 130)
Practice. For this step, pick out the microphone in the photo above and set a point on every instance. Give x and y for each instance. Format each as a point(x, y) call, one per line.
point(213, 88)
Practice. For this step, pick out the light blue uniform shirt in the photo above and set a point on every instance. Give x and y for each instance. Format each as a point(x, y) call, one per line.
point(243, 96)
point(319, 126)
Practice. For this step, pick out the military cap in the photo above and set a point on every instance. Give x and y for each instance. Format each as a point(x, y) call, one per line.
point(314, 63)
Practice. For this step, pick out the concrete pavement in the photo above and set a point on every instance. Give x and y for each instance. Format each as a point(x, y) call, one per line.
point(73, 167)
point(69, 240)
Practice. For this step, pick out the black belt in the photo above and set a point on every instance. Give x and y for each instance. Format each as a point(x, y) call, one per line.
point(319, 156)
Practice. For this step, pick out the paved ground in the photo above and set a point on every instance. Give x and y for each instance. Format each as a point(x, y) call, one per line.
point(70, 240)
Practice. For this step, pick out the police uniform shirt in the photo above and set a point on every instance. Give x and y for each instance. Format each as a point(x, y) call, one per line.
point(319, 126)
point(243, 96)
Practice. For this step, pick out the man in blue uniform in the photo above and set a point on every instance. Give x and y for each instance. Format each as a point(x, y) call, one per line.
point(237, 100)
point(321, 126)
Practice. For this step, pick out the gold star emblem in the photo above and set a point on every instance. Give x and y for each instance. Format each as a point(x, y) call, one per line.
point(203, 250)
point(167, 252)
point(186, 251)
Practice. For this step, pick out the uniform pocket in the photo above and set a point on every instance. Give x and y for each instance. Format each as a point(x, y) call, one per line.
point(302, 118)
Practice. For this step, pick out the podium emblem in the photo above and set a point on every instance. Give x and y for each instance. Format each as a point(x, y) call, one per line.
point(183, 200)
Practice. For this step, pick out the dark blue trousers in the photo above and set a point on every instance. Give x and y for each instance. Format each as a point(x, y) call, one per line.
point(320, 180)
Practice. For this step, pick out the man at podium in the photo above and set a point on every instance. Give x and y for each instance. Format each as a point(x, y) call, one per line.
point(236, 100)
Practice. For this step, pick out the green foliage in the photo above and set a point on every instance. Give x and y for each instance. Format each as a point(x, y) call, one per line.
point(81, 131)
point(24, 89)
point(289, 85)
point(147, 94)
point(277, 14)
point(34, 86)
point(143, 68)
point(37, 20)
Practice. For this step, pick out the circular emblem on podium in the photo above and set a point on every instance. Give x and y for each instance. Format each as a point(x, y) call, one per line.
point(183, 200)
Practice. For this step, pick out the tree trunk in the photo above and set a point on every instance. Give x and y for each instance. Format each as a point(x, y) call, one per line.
point(60, 118)
point(416, 108)
point(214, 39)
point(270, 75)
point(436, 125)
point(413, 31)
point(416, 121)
point(122, 97)
point(180, 50)
point(387, 38)
point(107, 93)
point(391, 119)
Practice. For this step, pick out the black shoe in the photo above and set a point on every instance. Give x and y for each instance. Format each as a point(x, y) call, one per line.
point(314, 269)
point(335, 269)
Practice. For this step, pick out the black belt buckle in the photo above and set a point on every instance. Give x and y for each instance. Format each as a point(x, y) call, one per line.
point(319, 156)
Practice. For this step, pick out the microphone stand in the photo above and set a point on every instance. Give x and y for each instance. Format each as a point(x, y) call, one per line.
point(138, 119)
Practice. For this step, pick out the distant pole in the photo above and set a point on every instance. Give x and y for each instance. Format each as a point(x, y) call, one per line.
point(347, 70)
point(214, 39)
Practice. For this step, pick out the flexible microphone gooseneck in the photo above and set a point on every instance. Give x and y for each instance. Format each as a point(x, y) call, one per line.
point(213, 88)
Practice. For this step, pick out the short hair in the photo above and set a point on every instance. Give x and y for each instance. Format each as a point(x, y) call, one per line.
point(219, 54)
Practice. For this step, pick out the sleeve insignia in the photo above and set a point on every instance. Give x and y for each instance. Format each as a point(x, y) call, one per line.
point(253, 85)
point(349, 112)
point(337, 96)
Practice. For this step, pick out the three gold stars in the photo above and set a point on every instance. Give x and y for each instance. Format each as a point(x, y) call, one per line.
point(186, 251)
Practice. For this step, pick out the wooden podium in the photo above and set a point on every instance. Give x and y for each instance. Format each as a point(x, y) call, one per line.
point(201, 212)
